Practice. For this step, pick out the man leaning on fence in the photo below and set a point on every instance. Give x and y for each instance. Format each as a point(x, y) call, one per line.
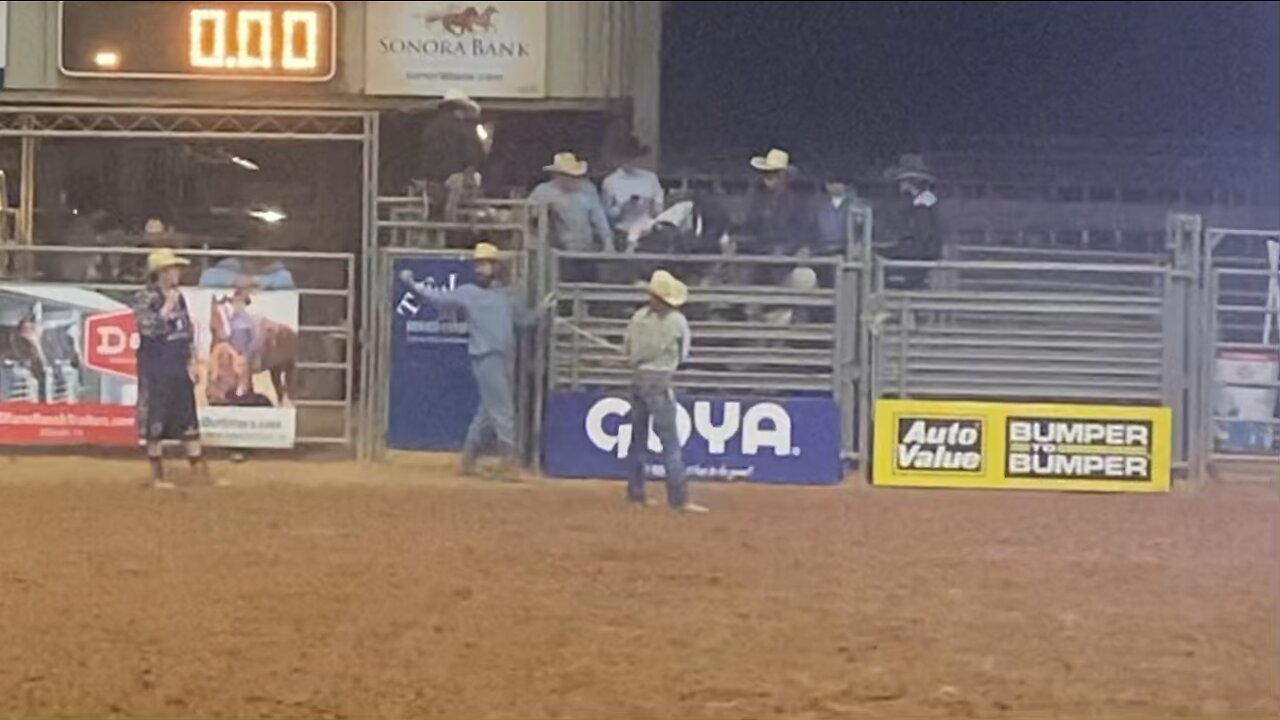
point(575, 212)
point(909, 231)
point(493, 312)
point(657, 342)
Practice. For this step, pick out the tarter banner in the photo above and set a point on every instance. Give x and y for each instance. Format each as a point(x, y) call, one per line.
point(68, 366)
point(487, 50)
point(1022, 446)
point(433, 393)
point(790, 440)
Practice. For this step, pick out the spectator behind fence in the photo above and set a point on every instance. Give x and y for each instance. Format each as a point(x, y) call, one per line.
point(451, 141)
point(633, 197)
point(576, 215)
point(778, 220)
point(910, 229)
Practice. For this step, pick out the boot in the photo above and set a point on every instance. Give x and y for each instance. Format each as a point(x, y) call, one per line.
point(508, 469)
point(467, 468)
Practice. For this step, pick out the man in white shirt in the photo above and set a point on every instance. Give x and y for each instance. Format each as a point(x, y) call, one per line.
point(632, 195)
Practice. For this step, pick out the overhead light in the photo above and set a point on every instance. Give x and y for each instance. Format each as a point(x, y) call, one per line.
point(271, 216)
point(245, 163)
point(107, 59)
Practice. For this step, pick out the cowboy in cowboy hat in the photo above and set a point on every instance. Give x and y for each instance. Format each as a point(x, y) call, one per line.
point(910, 230)
point(166, 366)
point(576, 213)
point(453, 141)
point(657, 343)
point(633, 197)
point(493, 312)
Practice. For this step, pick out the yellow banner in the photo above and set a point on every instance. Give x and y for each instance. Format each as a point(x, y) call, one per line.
point(1094, 448)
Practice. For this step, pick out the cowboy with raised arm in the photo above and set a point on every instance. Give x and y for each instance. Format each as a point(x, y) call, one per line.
point(493, 311)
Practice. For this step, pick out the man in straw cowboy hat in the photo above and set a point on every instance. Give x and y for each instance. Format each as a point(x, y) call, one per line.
point(910, 230)
point(578, 219)
point(453, 141)
point(493, 312)
point(166, 366)
point(657, 342)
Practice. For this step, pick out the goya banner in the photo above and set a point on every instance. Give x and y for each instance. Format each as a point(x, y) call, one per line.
point(1012, 446)
point(588, 434)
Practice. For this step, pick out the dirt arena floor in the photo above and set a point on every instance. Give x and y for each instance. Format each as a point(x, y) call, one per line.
point(325, 591)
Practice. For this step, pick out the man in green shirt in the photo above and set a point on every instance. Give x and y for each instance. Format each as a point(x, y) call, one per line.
point(657, 343)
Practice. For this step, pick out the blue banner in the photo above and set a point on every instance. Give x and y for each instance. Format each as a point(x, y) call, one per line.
point(433, 393)
point(587, 434)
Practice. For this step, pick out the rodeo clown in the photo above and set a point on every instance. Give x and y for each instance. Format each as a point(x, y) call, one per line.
point(492, 311)
point(166, 367)
point(657, 343)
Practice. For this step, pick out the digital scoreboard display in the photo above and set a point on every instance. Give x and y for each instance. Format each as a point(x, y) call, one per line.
point(282, 41)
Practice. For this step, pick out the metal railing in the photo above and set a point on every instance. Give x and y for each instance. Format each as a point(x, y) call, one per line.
point(752, 331)
point(1240, 377)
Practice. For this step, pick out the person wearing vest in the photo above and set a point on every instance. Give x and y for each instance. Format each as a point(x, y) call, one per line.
point(166, 367)
point(657, 343)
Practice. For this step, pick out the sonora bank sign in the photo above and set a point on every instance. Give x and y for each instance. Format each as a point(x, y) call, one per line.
point(791, 440)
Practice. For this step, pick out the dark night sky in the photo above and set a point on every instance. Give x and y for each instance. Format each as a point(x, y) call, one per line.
point(868, 78)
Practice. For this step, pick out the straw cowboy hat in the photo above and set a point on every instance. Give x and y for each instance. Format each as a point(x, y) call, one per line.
point(154, 226)
point(773, 161)
point(910, 167)
point(566, 163)
point(459, 98)
point(664, 286)
point(165, 258)
point(485, 252)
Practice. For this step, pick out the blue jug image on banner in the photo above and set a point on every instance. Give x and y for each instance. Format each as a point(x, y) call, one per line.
point(433, 392)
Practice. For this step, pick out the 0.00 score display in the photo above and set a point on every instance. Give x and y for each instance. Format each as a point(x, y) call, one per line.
point(220, 39)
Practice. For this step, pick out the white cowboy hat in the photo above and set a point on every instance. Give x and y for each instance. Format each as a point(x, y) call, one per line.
point(154, 226)
point(566, 163)
point(165, 258)
point(773, 161)
point(664, 286)
point(457, 97)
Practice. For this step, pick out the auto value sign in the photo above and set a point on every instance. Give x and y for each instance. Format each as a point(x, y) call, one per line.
point(1021, 446)
point(588, 434)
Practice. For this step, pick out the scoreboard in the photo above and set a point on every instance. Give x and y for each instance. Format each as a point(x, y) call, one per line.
point(264, 40)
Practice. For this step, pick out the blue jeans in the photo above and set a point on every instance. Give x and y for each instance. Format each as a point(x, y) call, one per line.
point(651, 397)
point(496, 415)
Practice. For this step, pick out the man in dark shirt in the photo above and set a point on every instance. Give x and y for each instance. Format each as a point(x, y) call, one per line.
point(166, 366)
point(452, 141)
point(910, 230)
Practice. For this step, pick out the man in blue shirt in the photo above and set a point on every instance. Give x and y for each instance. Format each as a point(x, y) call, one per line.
point(493, 311)
point(166, 366)
point(575, 213)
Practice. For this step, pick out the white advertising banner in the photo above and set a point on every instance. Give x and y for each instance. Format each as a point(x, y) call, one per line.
point(489, 50)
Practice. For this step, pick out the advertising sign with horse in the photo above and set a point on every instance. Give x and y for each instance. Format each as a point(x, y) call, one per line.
point(488, 50)
point(68, 368)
